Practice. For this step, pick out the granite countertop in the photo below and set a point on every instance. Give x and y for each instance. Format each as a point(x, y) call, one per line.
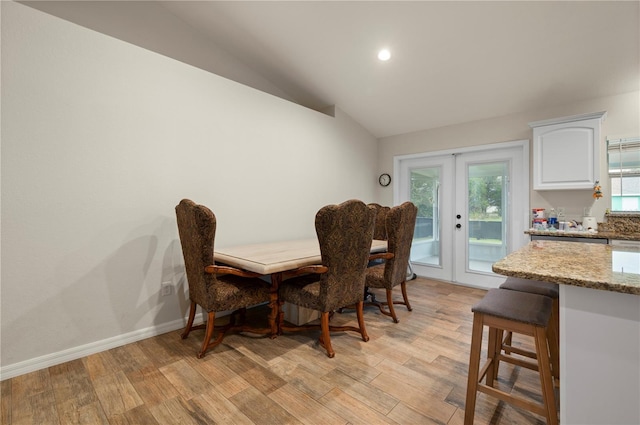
point(596, 266)
point(621, 226)
point(586, 234)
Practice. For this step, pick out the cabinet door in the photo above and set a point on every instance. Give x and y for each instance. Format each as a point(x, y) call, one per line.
point(566, 155)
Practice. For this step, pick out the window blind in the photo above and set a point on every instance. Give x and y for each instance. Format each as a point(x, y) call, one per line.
point(624, 157)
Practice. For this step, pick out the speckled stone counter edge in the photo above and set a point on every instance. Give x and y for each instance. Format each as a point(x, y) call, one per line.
point(588, 235)
point(569, 263)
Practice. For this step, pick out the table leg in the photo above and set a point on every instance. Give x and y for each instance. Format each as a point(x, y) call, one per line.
point(368, 295)
point(274, 304)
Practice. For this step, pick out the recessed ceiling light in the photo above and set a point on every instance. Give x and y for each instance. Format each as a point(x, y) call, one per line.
point(384, 55)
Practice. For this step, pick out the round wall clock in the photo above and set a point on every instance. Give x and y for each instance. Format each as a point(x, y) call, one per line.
point(384, 179)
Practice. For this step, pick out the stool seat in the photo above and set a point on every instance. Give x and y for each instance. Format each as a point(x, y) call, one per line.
point(504, 310)
point(513, 305)
point(548, 289)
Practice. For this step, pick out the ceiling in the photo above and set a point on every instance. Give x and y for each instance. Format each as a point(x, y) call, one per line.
point(452, 61)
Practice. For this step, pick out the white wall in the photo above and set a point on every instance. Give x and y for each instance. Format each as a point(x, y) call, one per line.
point(623, 118)
point(151, 25)
point(100, 140)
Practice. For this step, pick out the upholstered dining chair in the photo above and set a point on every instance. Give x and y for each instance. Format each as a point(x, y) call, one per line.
point(379, 233)
point(400, 222)
point(213, 287)
point(345, 232)
point(380, 229)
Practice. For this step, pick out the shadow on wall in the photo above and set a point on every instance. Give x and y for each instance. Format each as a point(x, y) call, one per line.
point(125, 289)
point(173, 271)
point(117, 301)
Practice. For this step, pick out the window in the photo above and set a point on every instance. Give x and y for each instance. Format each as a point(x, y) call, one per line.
point(623, 156)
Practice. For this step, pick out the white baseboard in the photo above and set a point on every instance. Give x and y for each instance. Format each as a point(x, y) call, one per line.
point(48, 360)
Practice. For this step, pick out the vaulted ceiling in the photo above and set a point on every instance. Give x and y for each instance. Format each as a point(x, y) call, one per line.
point(452, 61)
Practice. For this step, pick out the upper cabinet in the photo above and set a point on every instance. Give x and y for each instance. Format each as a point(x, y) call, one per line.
point(566, 152)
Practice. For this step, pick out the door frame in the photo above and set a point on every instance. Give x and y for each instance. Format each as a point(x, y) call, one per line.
point(520, 217)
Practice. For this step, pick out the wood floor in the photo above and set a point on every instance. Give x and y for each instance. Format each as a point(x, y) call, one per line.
point(412, 372)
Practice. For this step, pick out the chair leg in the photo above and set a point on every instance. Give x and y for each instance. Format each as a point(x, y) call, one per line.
point(360, 316)
point(554, 351)
point(508, 340)
point(554, 339)
point(497, 353)
point(555, 317)
point(325, 338)
point(403, 287)
point(544, 370)
point(208, 333)
point(192, 315)
point(392, 311)
point(389, 303)
point(474, 369)
point(492, 354)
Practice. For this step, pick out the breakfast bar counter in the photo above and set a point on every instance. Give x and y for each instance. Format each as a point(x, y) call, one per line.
point(596, 266)
point(599, 325)
point(625, 236)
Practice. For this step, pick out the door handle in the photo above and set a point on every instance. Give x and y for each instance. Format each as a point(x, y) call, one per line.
point(458, 216)
point(458, 226)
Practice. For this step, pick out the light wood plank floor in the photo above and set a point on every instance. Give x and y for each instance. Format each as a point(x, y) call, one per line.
point(412, 372)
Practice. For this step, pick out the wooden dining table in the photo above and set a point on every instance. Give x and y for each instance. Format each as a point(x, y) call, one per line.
point(275, 258)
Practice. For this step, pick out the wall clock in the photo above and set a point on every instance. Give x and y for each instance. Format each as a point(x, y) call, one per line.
point(384, 179)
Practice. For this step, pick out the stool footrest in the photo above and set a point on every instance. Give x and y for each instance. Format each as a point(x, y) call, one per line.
point(501, 395)
point(518, 362)
point(516, 350)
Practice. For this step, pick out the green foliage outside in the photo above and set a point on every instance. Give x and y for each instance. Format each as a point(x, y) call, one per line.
point(423, 194)
point(485, 196)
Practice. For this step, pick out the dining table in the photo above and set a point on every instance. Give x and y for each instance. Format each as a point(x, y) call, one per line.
point(273, 259)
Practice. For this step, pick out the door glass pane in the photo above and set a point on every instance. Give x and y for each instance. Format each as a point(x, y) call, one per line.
point(487, 193)
point(425, 184)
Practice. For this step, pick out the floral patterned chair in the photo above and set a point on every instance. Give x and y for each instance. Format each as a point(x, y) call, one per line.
point(400, 223)
point(344, 233)
point(214, 288)
point(380, 229)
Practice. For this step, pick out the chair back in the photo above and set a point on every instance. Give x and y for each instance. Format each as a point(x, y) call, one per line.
point(400, 223)
point(345, 233)
point(197, 230)
point(380, 229)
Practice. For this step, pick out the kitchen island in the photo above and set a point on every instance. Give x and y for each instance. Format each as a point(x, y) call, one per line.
point(599, 325)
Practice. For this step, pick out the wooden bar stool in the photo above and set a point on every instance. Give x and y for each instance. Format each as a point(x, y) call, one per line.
point(552, 291)
point(518, 312)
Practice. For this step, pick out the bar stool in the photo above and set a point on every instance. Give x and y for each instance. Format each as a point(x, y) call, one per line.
point(510, 311)
point(552, 291)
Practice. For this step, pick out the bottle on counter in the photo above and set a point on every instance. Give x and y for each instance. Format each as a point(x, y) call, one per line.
point(552, 220)
point(562, 219)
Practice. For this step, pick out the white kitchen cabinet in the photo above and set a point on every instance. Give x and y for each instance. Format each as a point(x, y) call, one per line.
point(566, 152)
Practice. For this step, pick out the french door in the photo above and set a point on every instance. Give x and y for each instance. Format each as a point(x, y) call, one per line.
point(472, 210)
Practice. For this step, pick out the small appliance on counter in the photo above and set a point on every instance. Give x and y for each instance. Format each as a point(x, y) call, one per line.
point(588, 221)
point(538, 220)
